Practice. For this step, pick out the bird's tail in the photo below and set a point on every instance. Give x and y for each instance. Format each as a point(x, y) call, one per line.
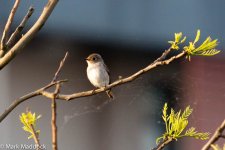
point(110, 94)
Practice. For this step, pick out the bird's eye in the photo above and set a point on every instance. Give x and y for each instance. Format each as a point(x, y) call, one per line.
point(94, 58)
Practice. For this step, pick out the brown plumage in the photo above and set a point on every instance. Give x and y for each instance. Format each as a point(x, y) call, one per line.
point(98, 72)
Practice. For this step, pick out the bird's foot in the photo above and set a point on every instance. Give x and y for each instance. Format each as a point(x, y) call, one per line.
point(104, 87)
point(93, 91)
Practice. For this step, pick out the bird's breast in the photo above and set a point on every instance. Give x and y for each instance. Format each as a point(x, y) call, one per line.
point(98, 76)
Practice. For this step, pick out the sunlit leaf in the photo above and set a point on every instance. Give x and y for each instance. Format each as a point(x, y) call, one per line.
point(31, 136)
point(177, 41)
point(215, 147)
point(183, 40)
point(29, 121)
point(178, 37)
point(187, 112)
point(197, 36)
point(165, 110)
point(177, 122)
point(26, 128)
point(207, 48)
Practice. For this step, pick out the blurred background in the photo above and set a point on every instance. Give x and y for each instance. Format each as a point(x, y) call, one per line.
point(129, 35)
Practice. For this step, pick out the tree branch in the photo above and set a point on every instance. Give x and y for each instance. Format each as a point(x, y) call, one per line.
point(218, 133)
point(120, 81)
point(54, 113)
point(164, 54)
point(35, 137)
point(26, 97)
point(29, 35)
point(50, 95)
point(19, 29)
point(60, 68)
point(7, 26)
point(163, 143)
point(54, 105)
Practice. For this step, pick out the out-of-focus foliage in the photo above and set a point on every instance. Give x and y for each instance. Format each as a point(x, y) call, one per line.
point(216, 147)
point(29, 123)
point(176, 123)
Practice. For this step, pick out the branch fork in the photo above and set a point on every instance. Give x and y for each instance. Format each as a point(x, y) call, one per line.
point(9, 48)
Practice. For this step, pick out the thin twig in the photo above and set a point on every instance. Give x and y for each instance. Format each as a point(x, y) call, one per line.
point(35, 137)
point(26, 97)
point(218, 133)
point(54, 104)
point(90, 92)
point(29, 35)
point(163, 143)
point(8, 25)
point(60, 68)
point(19, 29)
point(164, 54)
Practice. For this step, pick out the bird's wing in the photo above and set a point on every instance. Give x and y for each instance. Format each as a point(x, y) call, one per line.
point(107, 69)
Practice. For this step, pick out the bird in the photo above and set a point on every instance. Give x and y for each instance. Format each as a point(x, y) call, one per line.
point(98, 73)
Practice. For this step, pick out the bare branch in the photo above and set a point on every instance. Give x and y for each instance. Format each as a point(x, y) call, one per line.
point(218, 133)
point(163, 143)
point(60, 68)
point(54, 105)
point(29, 35)
point(19, 29)
point(50, 95)
point(35, 137)
point(164, 54)
point(54, 114)
point(120, 81)
point(26, 97)
point(8, 24)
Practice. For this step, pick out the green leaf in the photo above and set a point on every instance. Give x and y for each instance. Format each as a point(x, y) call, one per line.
point(190, 131)
point(187, 112)
point(177, 41)
point(29, 121)
point(183, 40)
point(177, 122)
point(207, 45)
point(26, 128)
point(215, 147)
point(38, 132)
point(31, 136)
point(210, 52)
point(197, 36)
point(178, 37)
point(38, 117)
point(165, 110)
point(207, 48)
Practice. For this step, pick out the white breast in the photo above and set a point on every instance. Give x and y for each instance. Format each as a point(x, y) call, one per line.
point(97, 75)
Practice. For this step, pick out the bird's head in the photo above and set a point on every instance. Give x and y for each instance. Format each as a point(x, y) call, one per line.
point(94, 58)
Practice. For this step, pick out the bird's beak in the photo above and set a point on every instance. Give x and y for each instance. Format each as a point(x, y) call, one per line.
point(86, 59)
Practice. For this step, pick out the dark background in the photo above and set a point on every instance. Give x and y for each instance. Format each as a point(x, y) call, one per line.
point(129, 34)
